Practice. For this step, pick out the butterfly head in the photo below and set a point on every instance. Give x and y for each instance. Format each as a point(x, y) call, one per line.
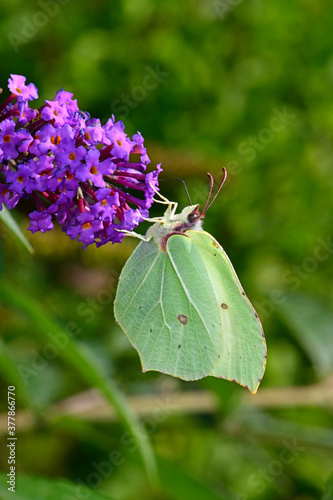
point(189, 218)
point(193, 214)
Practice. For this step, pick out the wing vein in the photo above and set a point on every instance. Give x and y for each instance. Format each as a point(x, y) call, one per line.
point(190, 300)
point(141, 284)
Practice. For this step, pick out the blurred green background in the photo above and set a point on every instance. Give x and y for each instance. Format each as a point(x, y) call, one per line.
point(245, 84)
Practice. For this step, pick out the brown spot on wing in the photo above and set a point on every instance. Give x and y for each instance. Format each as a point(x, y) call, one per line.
point(182, 319)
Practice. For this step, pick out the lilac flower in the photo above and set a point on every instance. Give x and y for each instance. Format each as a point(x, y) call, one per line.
point(20, 180)
point(93, 169)
point(55, 111)
point(71, 155)
point(151, 185)
point(105, 206)
point(66, 98)
point(122, 145)
point(50, 138)
point(139, 147)
point(26, 114)
point(17, 86)
point(9, 139)
point(44, 163)
point(68, 186)
point(40, 221)
point(8, 197)
point(93, 132)
point(84, 228)
point(76, 170)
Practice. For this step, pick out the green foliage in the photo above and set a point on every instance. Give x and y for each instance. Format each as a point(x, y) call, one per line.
point(246, 86)
point(311, 322)
point(328, 495)
point(83, 361)
point(37, 488)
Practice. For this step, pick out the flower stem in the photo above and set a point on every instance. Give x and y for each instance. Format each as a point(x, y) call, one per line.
point(9, 99)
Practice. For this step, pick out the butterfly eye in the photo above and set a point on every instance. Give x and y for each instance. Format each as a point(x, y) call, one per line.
point(195, 215)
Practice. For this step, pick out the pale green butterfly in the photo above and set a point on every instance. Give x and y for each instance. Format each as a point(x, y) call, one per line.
point(181, 305)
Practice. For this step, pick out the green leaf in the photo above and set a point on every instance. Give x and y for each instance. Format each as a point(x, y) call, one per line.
point(311, 323)
point(10, 222)
point(328, 495)
point(38, 488)
point(78, 356)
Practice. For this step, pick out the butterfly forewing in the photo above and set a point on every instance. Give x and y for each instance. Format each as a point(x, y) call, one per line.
point(166, 305)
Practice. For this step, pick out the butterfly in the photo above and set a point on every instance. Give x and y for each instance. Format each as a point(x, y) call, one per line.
point(182, 306)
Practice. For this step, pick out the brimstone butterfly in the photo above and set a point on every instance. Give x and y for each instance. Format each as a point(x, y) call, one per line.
point(181, 305)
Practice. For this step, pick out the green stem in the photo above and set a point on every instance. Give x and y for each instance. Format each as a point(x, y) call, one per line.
point(78, 356)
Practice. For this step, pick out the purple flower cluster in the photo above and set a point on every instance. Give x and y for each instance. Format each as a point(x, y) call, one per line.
point(77, 171)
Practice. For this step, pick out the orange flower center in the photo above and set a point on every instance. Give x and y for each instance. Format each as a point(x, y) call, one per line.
point(87, 136)
point(87, 225)
point(6, 138)
point(55, 140)
point(18, 90)
point(93, 171)
point(56, 112)
point(119, 142)
point(69, 177)
point(72, 156)
point(20, 179)
point(103, 203)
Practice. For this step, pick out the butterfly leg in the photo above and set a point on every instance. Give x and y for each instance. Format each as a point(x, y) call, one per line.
point(172, 204)
point(145, 238)
point(154, 219)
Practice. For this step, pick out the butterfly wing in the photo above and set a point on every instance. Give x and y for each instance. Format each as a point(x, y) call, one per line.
point(166, 305)
point(243, 355)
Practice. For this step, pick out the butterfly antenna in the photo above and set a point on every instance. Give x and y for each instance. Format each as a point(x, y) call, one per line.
point(184, 184)
point(209, 204)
